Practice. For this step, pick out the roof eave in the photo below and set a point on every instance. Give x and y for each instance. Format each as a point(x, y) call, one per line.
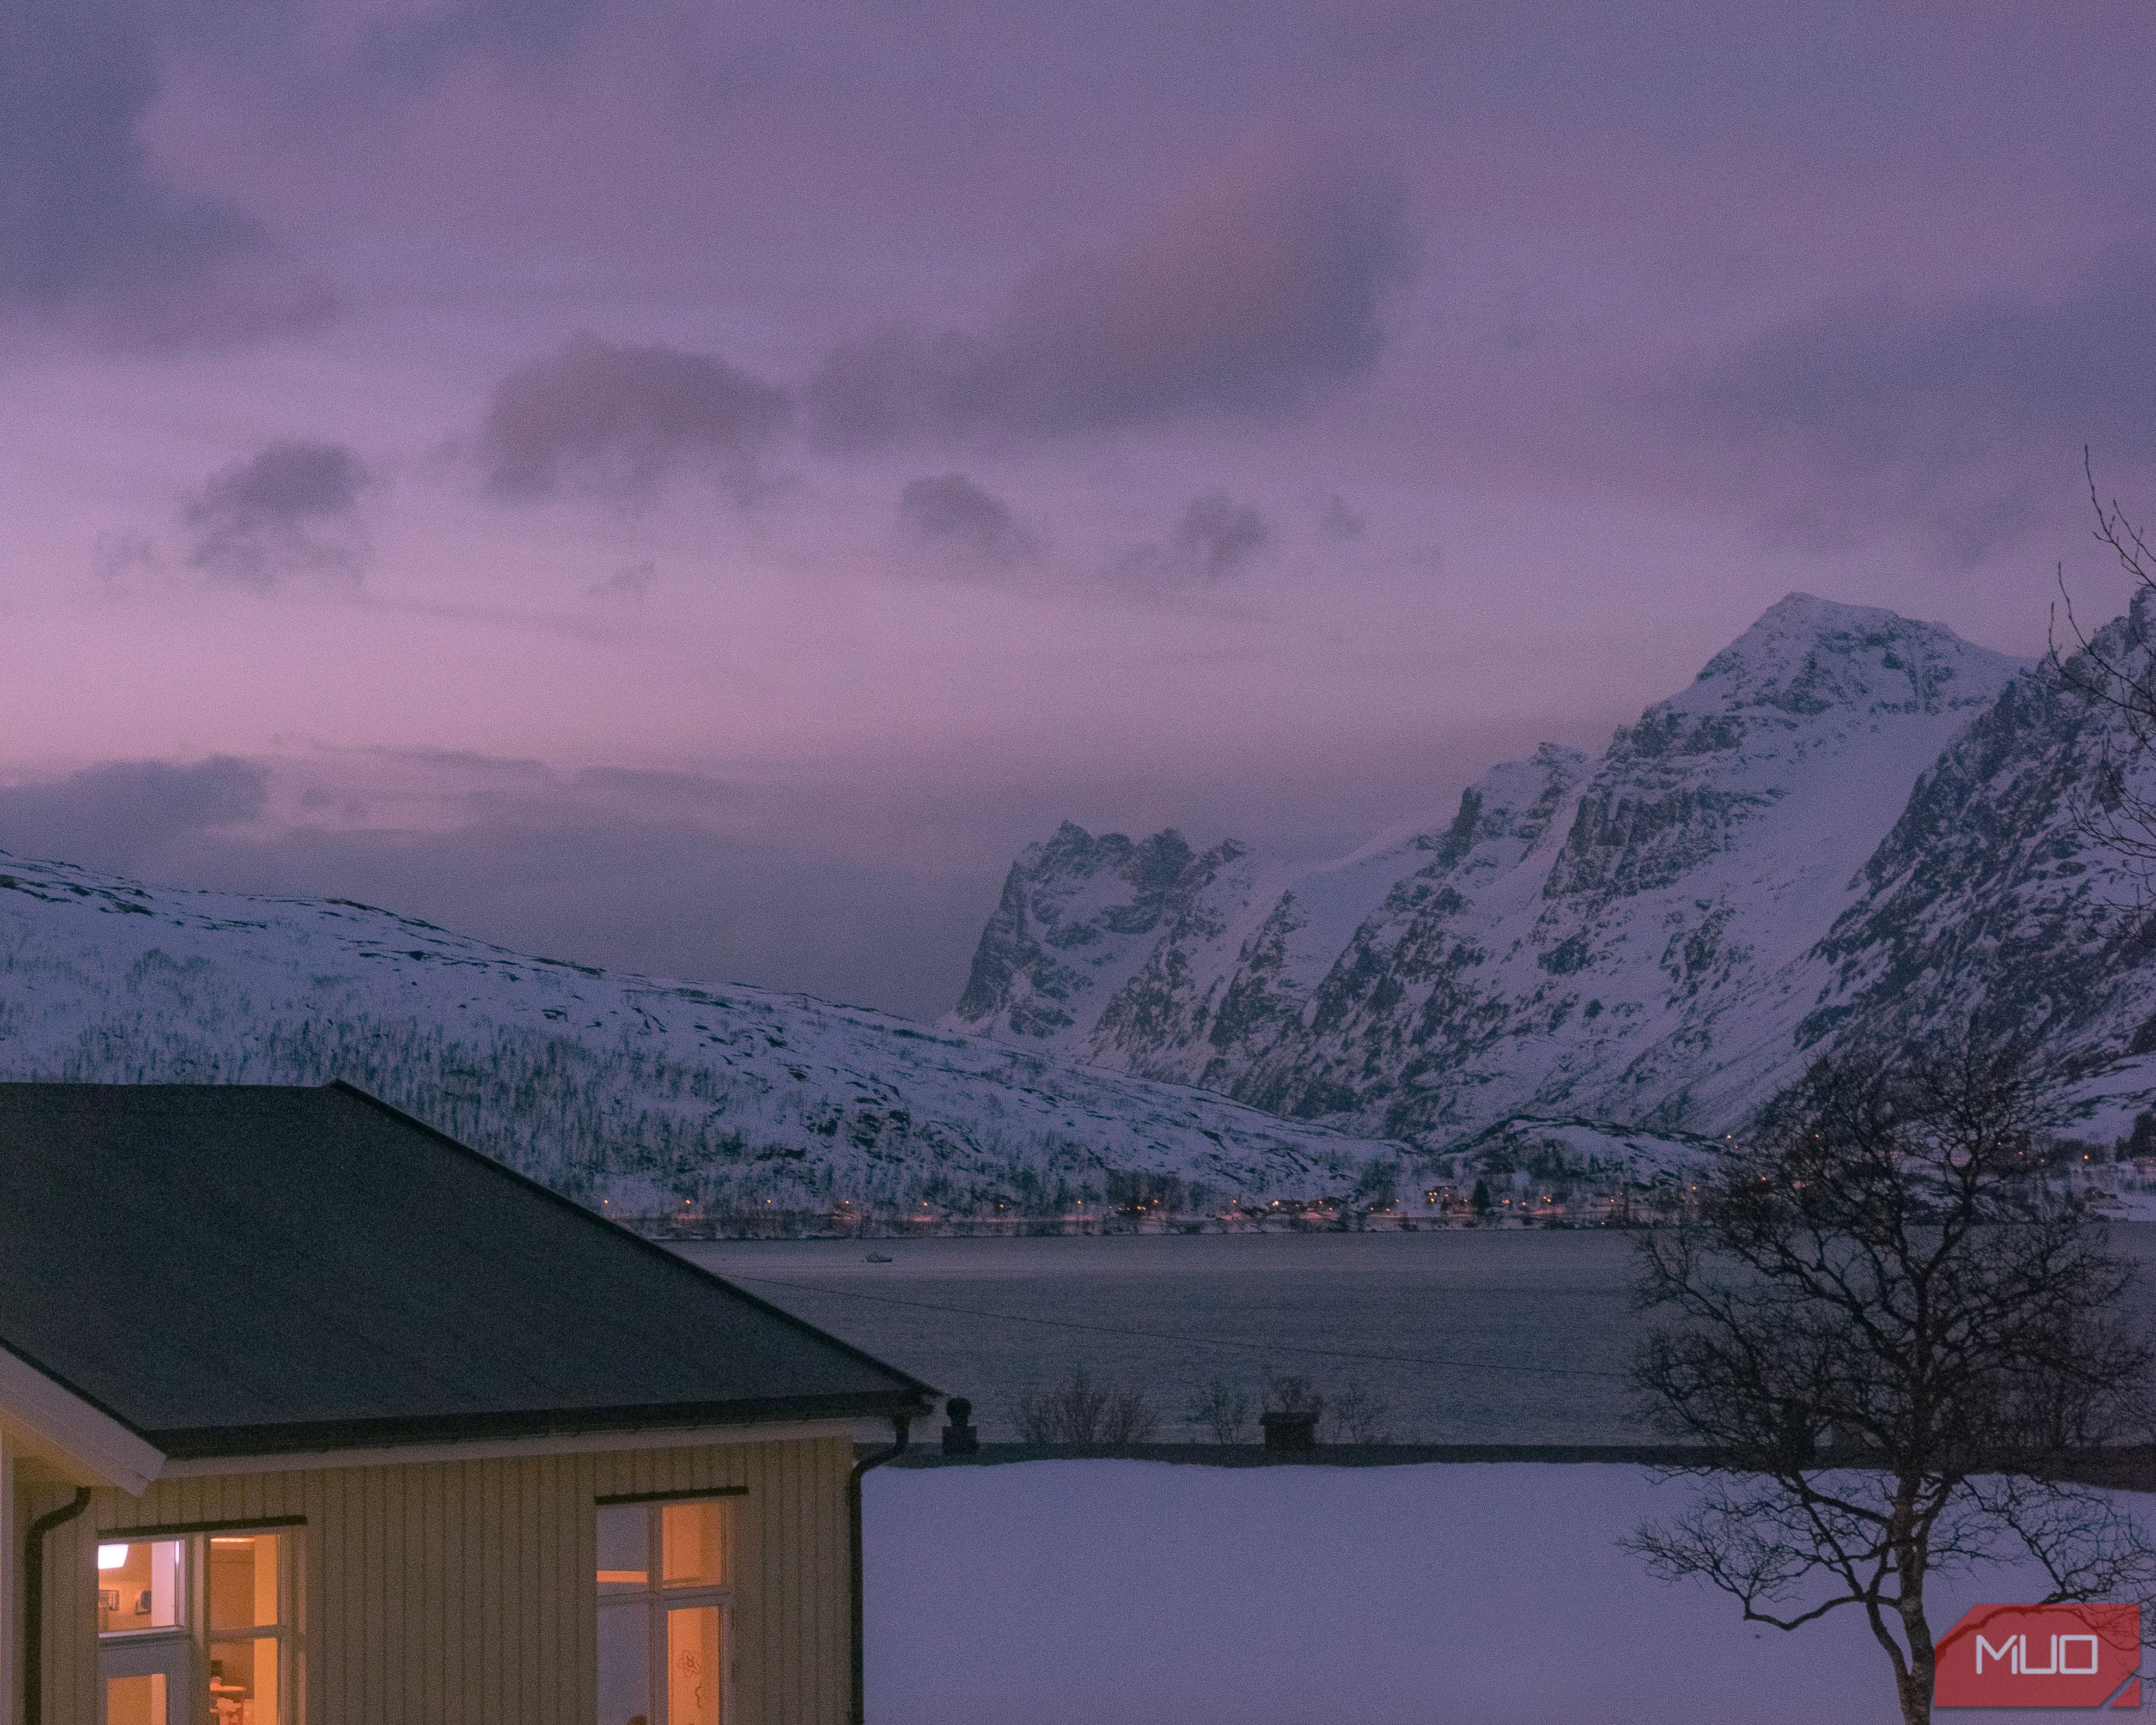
point(240, 1443)
point(59, 1425)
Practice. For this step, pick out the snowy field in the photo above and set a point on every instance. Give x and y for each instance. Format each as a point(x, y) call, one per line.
point(1127, 1593)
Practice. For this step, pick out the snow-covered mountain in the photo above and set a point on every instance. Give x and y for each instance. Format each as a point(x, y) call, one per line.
point(637, 1094)
point(1850, 825)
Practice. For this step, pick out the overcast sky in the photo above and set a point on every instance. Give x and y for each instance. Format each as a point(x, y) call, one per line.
point(697, 488)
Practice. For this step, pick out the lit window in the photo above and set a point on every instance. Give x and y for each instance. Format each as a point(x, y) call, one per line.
point(663, 1647)
point(140, 1699)
point(139, 1586)
point(206, 1616)
point(246, 1628)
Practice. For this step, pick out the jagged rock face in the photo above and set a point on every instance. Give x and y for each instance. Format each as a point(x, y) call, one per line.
point(1073, 910)
point(1636, 938)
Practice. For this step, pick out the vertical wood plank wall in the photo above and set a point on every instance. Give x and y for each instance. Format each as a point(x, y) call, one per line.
point(465, 1593)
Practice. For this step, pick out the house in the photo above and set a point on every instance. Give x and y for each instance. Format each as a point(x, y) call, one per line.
point(309, 1415)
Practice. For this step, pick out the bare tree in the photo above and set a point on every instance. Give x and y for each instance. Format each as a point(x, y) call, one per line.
point(1895, 1338)
point(2113, 672)
point(1357, 1415)
point(1293, 1394)
point(1223, 1407)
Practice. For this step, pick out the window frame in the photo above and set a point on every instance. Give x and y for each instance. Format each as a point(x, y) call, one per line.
point(193, 1631)
point(184, 1605)
point(655, 1599)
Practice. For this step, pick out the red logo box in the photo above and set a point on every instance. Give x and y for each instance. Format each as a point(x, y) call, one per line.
point(2041, 1656)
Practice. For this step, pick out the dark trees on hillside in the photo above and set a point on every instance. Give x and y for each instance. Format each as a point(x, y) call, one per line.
point(1896, 1337)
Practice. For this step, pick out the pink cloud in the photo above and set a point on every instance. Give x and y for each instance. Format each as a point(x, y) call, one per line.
point(1254, 288)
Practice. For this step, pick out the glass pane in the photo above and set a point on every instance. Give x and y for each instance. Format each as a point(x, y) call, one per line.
point(135, 1701)
point(695, 1666)
point(242, 1580)
point(624, 1547)
point(138, 1585)
point(625, 1664)
point(243, 1682)
point(695, 1543)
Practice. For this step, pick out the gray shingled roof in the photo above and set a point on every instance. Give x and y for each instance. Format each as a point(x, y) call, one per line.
point(237, 1269)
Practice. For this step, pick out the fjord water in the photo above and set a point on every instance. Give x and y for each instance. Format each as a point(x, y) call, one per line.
point(1496, 1335)
point(1512, 1323)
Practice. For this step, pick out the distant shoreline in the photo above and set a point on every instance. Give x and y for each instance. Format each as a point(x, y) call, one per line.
point(926, 1452)
point(2132, 1469)
point(872, 1237)
point(668, 1230)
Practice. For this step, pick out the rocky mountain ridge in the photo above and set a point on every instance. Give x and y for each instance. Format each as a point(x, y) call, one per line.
point(1850, 825)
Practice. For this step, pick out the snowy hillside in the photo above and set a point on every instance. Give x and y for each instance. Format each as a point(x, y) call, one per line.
point(637, 1093)
point(1851, 825)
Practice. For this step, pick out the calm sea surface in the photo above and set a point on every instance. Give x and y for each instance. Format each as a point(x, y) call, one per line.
point(1474, 1336)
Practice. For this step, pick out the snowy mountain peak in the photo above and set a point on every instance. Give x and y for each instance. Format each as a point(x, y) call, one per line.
point(1514, 800)
point(1807, 655)
point(1808, 730)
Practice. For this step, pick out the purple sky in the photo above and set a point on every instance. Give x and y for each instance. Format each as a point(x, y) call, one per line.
point(698, 487)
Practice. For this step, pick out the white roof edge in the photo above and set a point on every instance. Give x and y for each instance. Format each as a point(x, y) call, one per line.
point(567, 1443)
point(59, 1426)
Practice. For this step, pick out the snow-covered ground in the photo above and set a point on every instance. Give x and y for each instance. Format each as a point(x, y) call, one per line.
point(1124, 1593)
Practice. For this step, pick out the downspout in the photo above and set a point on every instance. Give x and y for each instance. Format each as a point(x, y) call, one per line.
point(33, 1604)
point(900, 1425)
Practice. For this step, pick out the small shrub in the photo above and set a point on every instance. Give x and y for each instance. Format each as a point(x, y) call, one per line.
point(1129, 1417)
point(1079, 1408)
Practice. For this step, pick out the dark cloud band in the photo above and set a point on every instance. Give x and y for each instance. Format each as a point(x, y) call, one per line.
point(616, 420)
point(1955, 416)
point(122, 813)
point(953, 512)
point(87, 229)
point(292, 509)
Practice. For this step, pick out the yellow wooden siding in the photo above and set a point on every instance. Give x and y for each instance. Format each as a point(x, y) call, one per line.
point(465, 1593)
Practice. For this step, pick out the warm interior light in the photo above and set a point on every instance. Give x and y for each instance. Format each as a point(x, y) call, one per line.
point(112, 1557)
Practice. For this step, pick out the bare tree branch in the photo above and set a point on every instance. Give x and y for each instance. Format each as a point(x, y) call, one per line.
point(2111, 672)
